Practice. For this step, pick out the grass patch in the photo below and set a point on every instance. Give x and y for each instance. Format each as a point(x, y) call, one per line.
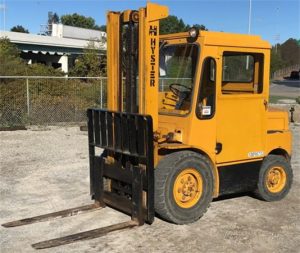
point(274, 99)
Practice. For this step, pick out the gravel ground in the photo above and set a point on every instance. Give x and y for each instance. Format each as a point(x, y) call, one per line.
point(45, 170)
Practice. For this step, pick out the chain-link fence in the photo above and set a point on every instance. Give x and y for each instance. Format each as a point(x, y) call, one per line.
point(40, 100)
point(47, 100)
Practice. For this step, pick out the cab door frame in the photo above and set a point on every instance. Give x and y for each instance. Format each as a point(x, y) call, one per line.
point(241, 118)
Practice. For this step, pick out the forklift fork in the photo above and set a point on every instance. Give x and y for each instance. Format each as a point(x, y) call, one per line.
point(127, 162)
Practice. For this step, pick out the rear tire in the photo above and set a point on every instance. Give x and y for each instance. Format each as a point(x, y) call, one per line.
point(183, 187)
point(275, 178)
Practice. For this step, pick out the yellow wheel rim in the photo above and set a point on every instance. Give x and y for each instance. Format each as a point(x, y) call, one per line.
point(187, 188)
point(276, 179)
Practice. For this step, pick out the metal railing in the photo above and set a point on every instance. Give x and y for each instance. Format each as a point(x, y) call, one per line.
point(40, 100)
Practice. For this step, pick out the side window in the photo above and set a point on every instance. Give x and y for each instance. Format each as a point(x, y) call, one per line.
point(207, 91)
point(242, 73)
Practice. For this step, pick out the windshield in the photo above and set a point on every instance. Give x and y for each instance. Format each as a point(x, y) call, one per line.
point(177, 69)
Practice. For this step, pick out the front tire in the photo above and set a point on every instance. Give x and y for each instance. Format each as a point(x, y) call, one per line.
point(183, 187)
point(275, 178)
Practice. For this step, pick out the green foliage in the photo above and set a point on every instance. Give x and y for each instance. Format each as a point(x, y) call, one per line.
point(10, 62)
point(284, 55)
point(199, 27)
point(276, 60)
point(19, 29)
point(173, 24)
point(90, 64)
point(290, 52)
point(51, 100)
point(38, 69)
point(275, 99)
point(102, 28)
point(53, 18)
point(78, 21)
point(7, 49)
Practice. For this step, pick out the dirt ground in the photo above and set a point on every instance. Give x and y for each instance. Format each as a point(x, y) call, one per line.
point(46, 169)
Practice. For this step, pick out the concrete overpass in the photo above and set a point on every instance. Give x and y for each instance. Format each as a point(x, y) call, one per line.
point(59, 50)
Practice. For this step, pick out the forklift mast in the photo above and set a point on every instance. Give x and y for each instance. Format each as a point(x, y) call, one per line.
point(133, 60)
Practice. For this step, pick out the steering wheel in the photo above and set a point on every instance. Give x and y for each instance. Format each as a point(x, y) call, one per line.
point(181, 91)
point(178, 89)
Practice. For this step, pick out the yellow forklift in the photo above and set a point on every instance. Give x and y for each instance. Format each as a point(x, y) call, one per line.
point(188, 121)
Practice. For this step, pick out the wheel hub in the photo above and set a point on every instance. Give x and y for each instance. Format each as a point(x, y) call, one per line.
point(187, 188)
point(276, 179)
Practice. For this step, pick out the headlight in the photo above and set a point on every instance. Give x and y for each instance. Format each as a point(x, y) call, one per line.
point(193, 32)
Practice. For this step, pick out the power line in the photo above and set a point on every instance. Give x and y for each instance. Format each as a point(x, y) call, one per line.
point(3, 8)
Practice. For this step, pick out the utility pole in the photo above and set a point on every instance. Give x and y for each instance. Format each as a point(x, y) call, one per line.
point(277, 36)
point(3, 8)
point(4, 16)
point(250, 14)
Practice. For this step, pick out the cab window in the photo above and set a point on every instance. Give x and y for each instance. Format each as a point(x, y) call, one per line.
point(242, 73)
point(207, 91)
point(177, 71)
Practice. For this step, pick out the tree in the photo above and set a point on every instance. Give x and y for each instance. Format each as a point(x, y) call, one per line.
point(53, 18)
point(284, 55)
point(173, 24)
point(19, 29)
point(10, 61)
point(101, 28)
point(90, 63)
point(290, 52)
point(200, 27)
point(276, 59)
point(78, 21)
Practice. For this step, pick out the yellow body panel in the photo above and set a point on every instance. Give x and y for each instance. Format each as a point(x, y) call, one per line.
point(277, 120)
point(278, 134)
point(241, 127)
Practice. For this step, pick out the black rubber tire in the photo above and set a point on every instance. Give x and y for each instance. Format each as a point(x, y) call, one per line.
point(262, 191)
point(165, 175)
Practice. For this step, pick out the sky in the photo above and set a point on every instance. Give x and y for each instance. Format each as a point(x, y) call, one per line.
point(275, 20)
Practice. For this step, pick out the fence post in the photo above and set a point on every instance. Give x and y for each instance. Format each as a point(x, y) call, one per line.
point(101, 93)
point(27, 95)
